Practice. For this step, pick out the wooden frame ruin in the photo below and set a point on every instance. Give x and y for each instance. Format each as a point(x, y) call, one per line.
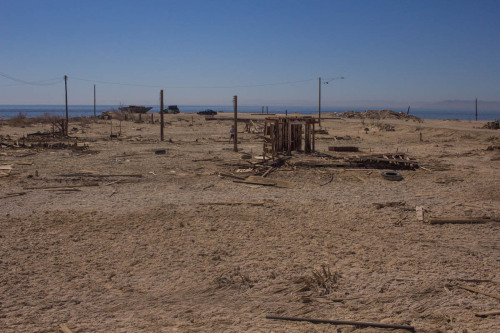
point(287, 134)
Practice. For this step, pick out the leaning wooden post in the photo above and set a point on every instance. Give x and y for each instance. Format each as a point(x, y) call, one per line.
point(161, 116)
point(235, 104)
point(476, 108)
point(314, 138)
point(95, 115)
point(66, 95)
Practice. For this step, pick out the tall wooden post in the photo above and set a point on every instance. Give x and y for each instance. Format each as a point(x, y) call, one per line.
point(476, 108)
point(319, 103)
point(235, 104)
point(94, 103)
point(161, 116)
point(66, 95)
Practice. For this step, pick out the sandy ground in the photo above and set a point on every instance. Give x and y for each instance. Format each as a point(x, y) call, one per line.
point(182, 249)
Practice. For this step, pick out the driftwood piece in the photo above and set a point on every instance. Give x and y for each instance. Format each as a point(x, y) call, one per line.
point(54, 187)
point(380, 205)
point(268, 171)
point(344, 322)
point(488, 313)
point(474, 290)
point(10, 195)
point(458, 220)
point(257, 180)
point(64, 189)
point(420, 213)
point(232, 203)
point(64, 329)
point(223, 174)
point(98, 175)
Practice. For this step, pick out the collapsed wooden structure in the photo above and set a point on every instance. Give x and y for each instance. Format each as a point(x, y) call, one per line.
point(287, 134)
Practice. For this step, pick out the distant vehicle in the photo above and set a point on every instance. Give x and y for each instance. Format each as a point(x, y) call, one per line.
point(135, 109)
point(172, 109)
point(208, 112)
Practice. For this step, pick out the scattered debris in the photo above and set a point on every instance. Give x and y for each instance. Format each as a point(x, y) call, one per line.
point(398, 161)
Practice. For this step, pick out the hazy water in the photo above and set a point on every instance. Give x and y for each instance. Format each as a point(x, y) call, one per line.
point(9, 111)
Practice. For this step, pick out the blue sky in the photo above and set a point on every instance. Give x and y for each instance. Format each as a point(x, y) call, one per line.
point(390, 52)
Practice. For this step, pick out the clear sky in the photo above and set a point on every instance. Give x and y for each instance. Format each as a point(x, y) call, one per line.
point(390, 52)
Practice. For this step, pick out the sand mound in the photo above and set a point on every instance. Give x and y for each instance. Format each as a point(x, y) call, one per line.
point(378, 114)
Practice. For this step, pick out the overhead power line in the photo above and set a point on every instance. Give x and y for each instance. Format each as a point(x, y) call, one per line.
point(192, 87)
point(48, 82)
point(59, 80)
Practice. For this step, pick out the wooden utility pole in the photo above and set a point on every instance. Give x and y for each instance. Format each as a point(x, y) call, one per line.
point(235, 104)
point(66, 94)
point(161, 116)
point(94, 103)
point(319, 103)
point(476, 108)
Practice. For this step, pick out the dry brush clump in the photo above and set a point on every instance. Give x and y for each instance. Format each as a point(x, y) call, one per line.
point(492, 125)
point(234, 278)
point(385, 127)
point(22, 120)
point(321, 281)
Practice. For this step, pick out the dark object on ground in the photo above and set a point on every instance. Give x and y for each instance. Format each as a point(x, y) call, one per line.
point(135, 109)
point(160, 151)
point(492, 125)
point(392, 175)
point(208, 112)
point(343, 148)
point(172, 109)
point(343, 322)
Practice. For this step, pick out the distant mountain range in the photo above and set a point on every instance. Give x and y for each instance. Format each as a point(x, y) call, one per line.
point(461, 105)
